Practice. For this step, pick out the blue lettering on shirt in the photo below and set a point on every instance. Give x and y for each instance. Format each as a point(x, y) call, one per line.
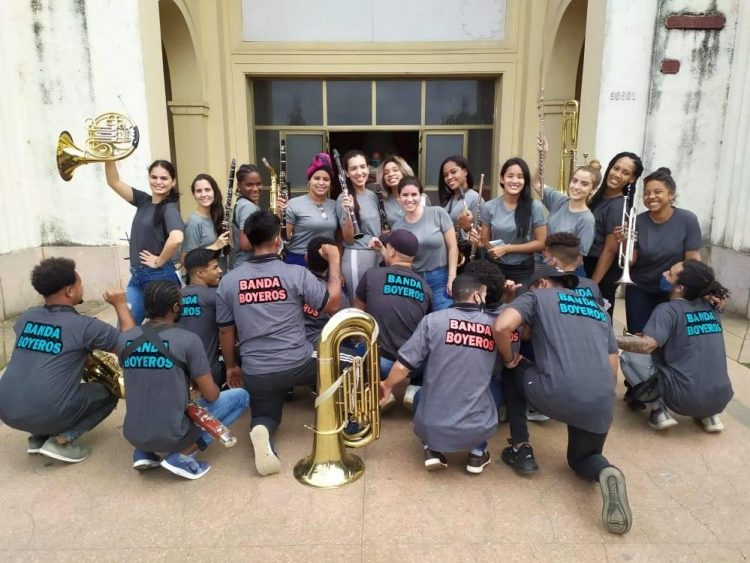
point(404, 286)
point(702, 322)
point(190, 306)
point(584, 292)
point(40, 337)
point(147, 356)
point(580, 306)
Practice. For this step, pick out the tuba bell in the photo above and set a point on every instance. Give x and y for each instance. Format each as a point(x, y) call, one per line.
point(347, 410)
point(110, 136)
point(103, 368)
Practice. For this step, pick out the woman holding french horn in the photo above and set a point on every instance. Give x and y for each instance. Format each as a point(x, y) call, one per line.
point(156, 232)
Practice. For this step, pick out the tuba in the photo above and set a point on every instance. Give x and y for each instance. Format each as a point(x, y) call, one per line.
point(103, 368)
point(344, 401)
point(110, 136)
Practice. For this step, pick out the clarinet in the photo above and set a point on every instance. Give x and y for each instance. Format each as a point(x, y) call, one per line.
point(384, 226)
point(283, 185)
point(477, 218)
point(230, 193)
point(540, 164)
point(345, 190)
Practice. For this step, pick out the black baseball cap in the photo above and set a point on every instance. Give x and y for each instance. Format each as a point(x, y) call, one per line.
point(569, 279)
point(402, 241)
point(199, 258)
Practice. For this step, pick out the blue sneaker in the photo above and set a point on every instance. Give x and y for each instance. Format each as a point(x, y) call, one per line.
point(185, 465)
point(145, 460)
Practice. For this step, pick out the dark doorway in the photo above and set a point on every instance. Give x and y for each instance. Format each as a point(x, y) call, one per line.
point(383, 143)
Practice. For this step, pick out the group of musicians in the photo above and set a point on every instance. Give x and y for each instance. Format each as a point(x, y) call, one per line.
point(480, 304)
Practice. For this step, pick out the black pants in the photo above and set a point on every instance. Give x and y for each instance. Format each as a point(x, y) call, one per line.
point(519, 273)
point(608, 285)
point(268, 392)
point(639, 305)
point(584, 448)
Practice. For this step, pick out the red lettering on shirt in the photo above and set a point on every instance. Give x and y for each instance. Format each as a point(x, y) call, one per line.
point(261, 290)
point(469, 335)
point(310, 312)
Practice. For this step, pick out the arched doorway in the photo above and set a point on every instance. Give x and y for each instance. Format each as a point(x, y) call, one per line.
point(183, 85)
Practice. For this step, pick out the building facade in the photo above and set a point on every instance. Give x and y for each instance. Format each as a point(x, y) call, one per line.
point(210, 80)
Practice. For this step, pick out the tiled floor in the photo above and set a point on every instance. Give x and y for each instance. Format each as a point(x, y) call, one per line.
point(689, 492)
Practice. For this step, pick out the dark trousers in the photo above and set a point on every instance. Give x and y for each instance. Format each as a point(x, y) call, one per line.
point(639, 305)
point(608, 285)
point(584, 448)
point(268, 392)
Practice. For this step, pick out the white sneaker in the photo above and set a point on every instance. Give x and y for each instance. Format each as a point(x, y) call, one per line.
point(535, 416)
point(266, 461)
point(712, 424)
point(660, 419)
point(411, 390)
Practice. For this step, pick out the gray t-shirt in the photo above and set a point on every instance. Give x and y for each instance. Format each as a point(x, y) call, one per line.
point(456, 411)
point(315, 320)
point(144, 235)
point(42, 379)
point(430, 231)
point(369, 218)
point(587, 288)
point(502, 223)
point(393, 210)
point(242, 210)
point(198, 315)
point(310, 220)
point(691, 357)
point(562, 220)
point(661, 246)
point(607, 216)
point(265, 299)
point(199, 232)
point(455, 208)
point(157, 390)
point(398, 298)
point(572, 340)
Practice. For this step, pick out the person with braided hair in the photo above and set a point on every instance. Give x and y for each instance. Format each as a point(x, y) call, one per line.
point(688, 372)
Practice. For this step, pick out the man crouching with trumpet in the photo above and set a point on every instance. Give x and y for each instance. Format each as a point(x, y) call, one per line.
point(157, 358)
point(41, 391)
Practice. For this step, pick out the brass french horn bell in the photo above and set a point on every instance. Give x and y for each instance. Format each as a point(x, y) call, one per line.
point(110, 136)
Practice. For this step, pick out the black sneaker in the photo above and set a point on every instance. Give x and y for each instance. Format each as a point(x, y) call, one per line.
point(522, 460)
point(434, 460)
point(615, 508)
point(476, 463)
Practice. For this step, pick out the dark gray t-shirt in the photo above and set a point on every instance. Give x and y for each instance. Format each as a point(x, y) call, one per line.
point(691, 357)
point(607, 216)
point(398, 298)
point(265, 299)
point(456, 411)
point(41, 380)
point(158, 390)
point(199, 232)
point(198, 315)
point(310, 220)
point(242, 210)
point(430, 231)
point(502, 223)
point(315, 320)
point(587, 288)
point(661, 246)
point(369, 218)
point(572, 340)
point(562, 220)
point(144, 235)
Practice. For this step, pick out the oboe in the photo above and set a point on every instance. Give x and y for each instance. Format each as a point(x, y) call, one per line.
point(230, 193)
point(477, 218)
point(384, 226)
point(345, 190)
point(283, 185)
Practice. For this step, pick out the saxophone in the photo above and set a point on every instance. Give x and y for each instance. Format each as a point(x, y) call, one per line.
point(273, 193)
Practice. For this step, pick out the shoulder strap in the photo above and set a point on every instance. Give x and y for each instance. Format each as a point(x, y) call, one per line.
point(151, 335)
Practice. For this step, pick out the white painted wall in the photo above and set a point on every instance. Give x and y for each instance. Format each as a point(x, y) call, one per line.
point(64, 61)
point(373, 20)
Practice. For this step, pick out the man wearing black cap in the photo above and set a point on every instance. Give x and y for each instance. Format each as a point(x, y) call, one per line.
point(572, 380)
point(398, 298)
point(198, 312)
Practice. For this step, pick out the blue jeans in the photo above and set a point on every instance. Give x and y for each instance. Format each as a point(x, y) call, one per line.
point(227, 407)
point(294, 258)
point(140, 277)
point(438, 281)
point(415, 378)
point(639, 305)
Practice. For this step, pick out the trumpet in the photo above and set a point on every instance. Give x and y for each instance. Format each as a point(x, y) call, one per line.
point(628, 223)
point(110, 136)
